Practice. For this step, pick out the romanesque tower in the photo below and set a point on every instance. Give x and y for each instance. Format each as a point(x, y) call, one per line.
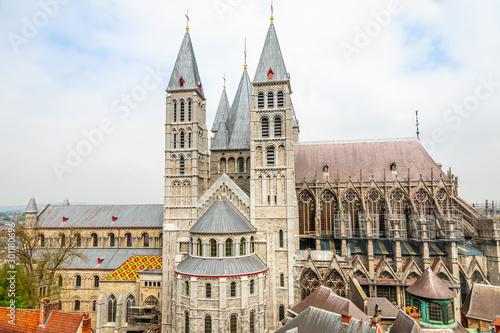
point(186, 163)
point(272, 187)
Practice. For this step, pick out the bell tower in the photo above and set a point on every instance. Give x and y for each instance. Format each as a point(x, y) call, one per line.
point(186, 164)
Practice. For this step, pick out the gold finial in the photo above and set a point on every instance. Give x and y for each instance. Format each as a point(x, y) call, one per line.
point(187, 17)
point(272, 11)
point(224, 78)
point(245, 52)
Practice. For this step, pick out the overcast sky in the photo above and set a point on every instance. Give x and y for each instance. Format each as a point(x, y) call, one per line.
point(359, 69)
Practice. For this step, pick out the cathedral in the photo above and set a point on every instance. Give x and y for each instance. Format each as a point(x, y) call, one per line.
point(254, 220)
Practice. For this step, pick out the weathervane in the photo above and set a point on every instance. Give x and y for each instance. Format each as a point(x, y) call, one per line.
point(245, 52)
point(272, 11)
point(418, 132)
point(224, 78)
point(187, 17)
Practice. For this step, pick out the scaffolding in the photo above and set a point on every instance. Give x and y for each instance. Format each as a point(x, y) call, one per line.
point(424, 223)
point(395, 226)
point(363, 225)
point(488, 208)
point(453, 226)
point(337, 222)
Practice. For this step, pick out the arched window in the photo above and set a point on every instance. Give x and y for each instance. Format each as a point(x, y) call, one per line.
point(94, 240)
point(229, 247)
point(189, 140)
point(186, 322)
point(181, 82)
point(182, 139)
point(282, 241)
point(94, 303)
point(213, 248)
point(309, 283)
point(145, 240)
point(208, 291)
point(111, 240)
point(62, 240)
point(175, 112)
point(270, 73)
point(241, 165)
point(281, 315)
point(270, 156)
point(200, 249)
point(208, 324)
point(182, 111)
point(260, 100)
point(186, 288)
point(78, 239)
point(252, 287)
point(181, 165)
point(232, 290)
point(175, 141)
point(270, 100)
point(435, 312)
point(189, 110)
point(60, 280)
point(307, 216)
point(128, 238)
point(233, 324)
point(78, 281)
point(111, 309)
point(329, 208)
point(252, 322)
point(281, 102)
point(96, 281)
point(277, 126)
point(282, 280)
point(160, 240)
point(265, 127)
point(243, 245)
point(336, 283)
point(129, 304)
point(76, 307)
point(42, 240)
point(222, 165)
point(252, 244)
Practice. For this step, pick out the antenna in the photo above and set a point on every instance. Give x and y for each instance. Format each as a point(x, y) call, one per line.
point(418, 131)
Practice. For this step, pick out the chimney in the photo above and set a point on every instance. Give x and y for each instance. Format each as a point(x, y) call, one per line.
point(414, 313)
point(346, 317)
point(377, 320)
point(86, 326)
point(46, 309)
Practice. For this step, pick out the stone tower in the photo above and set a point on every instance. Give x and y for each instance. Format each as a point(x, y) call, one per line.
point(273, 206)
point(186, 164)
point(31, 213)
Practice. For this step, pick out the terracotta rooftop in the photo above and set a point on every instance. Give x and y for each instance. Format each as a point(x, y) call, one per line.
point(371, 157)
point(428, 285)
point(27, 321)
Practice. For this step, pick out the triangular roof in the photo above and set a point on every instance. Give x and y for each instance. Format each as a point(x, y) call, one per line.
point(31, 208)
point(222, 218)
point(428, 285)
point(482, 302)
point(239, 116)
point(128, 270)
point(185, 66)
point(28, 321)
point(222, 111)
point(66, 201)
point(221, 138)
point(271, 58)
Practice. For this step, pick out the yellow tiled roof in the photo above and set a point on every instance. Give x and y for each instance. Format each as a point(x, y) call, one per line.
point(128, 270)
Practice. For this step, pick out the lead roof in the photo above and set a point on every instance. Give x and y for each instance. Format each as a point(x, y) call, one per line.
point(428, 285)
point(222, 218)
point(31, 208)
point(271, 57)
point(222, 111)
point(185, 66)
point(221, 267)
point(482, 302)
point(112, 258)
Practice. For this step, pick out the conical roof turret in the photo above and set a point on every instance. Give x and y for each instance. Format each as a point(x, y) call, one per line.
point(222, 111)
point(185, 75)
point(428, 285)
point(271, 67)
point(66, 201)
point(31, 208)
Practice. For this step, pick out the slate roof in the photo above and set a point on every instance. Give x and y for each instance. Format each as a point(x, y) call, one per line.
point(221, 267)
point(388, 310)
point(428, 285)
point(482, 302)
point(100, 216)
point(318, 320)
point(271, 57)
point(128, 270)
point(222, 111)
point(112, 258)
point(185, 66)
point(405, 324)
point(31, 208)
point(324, 298)
point(222, 218)
point(372, 157)
point(27, 321)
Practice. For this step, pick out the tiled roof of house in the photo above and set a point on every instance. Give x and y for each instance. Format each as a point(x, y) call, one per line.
point(62, 322)
point(128, 270)
point(27, 321)
point(482, 302)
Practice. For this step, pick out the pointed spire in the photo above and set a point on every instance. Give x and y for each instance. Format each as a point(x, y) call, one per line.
point(31, 208)
point(271, 66)
point(428, 285)
point(238, 123)
point(66, 201)
point(222, 111)
point(185, 75)
point(221, 138)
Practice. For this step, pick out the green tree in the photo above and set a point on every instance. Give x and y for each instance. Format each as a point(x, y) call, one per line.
point(7, 219)
point(12, 286)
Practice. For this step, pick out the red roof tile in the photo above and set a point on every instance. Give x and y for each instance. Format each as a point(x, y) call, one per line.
point(26, 321)
point(63, 322)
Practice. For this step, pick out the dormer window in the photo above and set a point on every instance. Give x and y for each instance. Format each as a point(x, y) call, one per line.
point(270, 73)
point(393, 166)
point(181, 82)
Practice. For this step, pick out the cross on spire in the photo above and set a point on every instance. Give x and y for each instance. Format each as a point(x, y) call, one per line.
point(187, 17)
point(245, 52)
point(272, 11)
point(224, 78)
